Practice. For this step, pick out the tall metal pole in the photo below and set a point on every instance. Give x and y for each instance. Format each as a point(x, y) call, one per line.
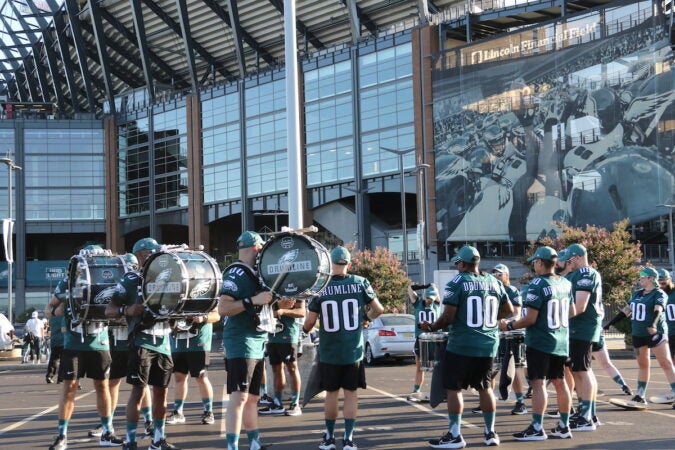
point(671, 252)
point(9, 231)
point(404, 217)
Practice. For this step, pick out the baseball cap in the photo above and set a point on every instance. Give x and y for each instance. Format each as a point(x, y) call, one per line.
point(249, 239)
point(467, 254)
point(92, 248)
point(663, 274)
point(34, 314)
point(649, 272)
point(340, 255)
point(147, 243)
point(544, 252)
point(563, 255)
point(575, 250)
point(501, 268)
point(431, 292)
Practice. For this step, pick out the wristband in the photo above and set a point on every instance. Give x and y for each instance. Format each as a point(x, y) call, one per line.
point(121, 310)
point(509, 326)
point(248, 303)
point(54, 310)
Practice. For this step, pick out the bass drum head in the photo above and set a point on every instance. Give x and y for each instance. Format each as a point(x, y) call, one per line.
point(164, 283)
point(91, 284)
point(292, 265)
point(203, 284)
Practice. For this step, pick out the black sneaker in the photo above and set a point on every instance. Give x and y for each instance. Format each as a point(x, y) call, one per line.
point(448, 441)
point(530, 434)
point(348, 444)
point(519, 409)
point(162, 445)
point(626, 390)
point(49, 380)
point(96, 432)
point(207, 418)
point(149, 428)
point(272, 409)
point(638, 399)
point(476, 410)
point(528, 394)
point(491, 439)
point(110, 440)
point(553, 414)
point(582, 424)
point(561, 433)
point(60, 443)
point(130, 446)
point(596, 421)
point(327, 443)
point(265, 400)
point(175, 417)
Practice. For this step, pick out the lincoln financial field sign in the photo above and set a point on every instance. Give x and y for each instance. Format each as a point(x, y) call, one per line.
point(571, 121)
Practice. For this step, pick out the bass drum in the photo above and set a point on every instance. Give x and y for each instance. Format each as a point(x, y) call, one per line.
point(92, 278)
point(293, 265)
point(181, 283)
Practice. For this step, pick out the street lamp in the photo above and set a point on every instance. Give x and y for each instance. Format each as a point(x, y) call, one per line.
point(671, 252)
point(421, 232)
point(8, 226)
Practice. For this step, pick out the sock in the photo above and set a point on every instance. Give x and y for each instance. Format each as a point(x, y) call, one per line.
point(489, 418)
point(537, 421)
point(131, 431)
point(207, 403)
point(619, 380)
point(520, 397)
point(295, 398)
point(672, 388)
point(349, 429)
point(106, 423)
point(585, 409)
point(416, 388)
point(564, 421)
point(232, 441)
point(263, 389)
point(63, 427)
point(641, 388)
point(159, 429)
point(178, 405)
point(147, 413)
point(593, 410)
point(253, 435)
point(455, 424)
point(277, 398)
point(330, 428)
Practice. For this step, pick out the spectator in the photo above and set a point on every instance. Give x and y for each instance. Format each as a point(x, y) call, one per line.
point(34, 329)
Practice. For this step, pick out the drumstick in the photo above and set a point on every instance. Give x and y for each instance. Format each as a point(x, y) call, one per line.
point(285, 229)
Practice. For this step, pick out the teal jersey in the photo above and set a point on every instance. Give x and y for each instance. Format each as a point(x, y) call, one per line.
point(670, 313)
point(197, 339)
point(475, 329)
point(87, 336)
point(425, 313)
point(551, 295)
point(153, 335)
point(55, 324)
point(61, 290)
point(642, 311)
point(513, 293)
point(291, 331)
point(587, 326)
point(340, 307)
point(240, 336)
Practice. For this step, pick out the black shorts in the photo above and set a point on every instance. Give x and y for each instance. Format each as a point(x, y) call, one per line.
point(416, 347)
point(118, 368)
point(460, 372)
point(148, 367)
point(671, 345)
point(648, 341)
point(580, 355)
point(282, 352)
point(349, 377)
point(244, 375)
point(597, 346)
point(76, 364)
point(195, 363)
point(542, 365)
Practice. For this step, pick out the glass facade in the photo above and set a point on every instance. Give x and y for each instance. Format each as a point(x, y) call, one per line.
point(133, 167)
point(6, 143)
point(170, 155)
point(64, 174)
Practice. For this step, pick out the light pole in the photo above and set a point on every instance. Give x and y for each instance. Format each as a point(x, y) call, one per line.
point(8, 226)
point(421, 231)
point(671, 244)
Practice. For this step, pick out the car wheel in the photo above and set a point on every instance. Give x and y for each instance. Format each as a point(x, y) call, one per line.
point(370, 359)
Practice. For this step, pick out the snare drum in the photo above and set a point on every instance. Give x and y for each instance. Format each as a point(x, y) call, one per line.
point(92, 277)
point(431, 345)
point(293, 265)
point(180, 283)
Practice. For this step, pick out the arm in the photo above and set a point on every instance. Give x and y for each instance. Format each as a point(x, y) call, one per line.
point(523, 322)
point(625, 312)
point(211, 317)
point(658, 310)
point(374, 310)
point(581, 302)
point(229, 306)
point(447, 317)
point(506, 309)
point(291, 308)
point(310, 322)
point(412, 295)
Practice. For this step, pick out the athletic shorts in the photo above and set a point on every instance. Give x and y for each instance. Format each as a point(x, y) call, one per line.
point(671, 344)
point(148, 367)
point(581, 355)
point(416, 347)
point(76, 364)
point(120, 362)
point(649, 341)
point(244, 375)
point(597, 346)
point(282, 352)
point(346, 376)
point(542, 365)
point(460, 372)
point(194, 363)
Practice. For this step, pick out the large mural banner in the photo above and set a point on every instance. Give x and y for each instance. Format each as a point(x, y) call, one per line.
point(570, 121)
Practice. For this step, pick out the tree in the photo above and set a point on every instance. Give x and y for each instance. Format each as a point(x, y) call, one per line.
point(383, 270)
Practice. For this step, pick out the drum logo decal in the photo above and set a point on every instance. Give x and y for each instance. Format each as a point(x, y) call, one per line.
point(287, 263)
point(107, 274)
point(103, 297)
point(200, 289)
point(161, 285)
point(287, 243)
point(290, 288)
point(163, 261)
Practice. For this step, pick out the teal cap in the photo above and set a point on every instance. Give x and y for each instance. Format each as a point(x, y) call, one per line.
point(249, 239)
point(467, 254)
point(649, 272)
point(147, 243)
point(544, 252)
point(663, 274)
point(563, 255)
point(431, 292)
point(130, 259)
point(575, 250)
point(340, 256)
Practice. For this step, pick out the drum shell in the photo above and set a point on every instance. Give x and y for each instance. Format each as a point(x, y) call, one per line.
point(91, 282)
point(293, 265)
point(181, 283)
point(430, 345)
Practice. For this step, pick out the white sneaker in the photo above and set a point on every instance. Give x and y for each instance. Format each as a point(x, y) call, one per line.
point(294, 410)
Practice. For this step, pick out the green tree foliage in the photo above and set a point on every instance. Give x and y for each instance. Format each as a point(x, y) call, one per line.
point(383, 270)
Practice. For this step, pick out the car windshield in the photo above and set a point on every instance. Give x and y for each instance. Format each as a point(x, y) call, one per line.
point(397, 320)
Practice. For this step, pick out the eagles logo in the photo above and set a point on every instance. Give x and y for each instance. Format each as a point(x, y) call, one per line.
point(585, 282)
point(200, 289)
point(103, 297)
point(229, 286)
point(163, 276)
point(288, 257)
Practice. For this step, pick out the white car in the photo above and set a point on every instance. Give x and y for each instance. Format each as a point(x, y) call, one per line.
point(390, 336)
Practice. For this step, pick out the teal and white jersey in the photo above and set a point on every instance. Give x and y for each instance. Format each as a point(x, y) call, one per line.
point(642, 311)
point(194, 340)
point(55, 325)
point(551, 295)
point(670, 312)
point(425, 313)
point(240, 337)
point(475, 329)
point(291, 332)
point(86, 336)
point(514, 295)
point(587, 326)
point(340, 308)
point(61, 290)
point(127, 292)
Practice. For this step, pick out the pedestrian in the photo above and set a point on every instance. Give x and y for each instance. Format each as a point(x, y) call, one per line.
point(35, 330)
point(426, 309)
point(56, 325)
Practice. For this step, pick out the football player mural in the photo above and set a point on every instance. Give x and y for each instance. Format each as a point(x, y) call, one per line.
point(546, 124)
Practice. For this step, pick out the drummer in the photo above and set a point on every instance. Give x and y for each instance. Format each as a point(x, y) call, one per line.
point(150, 360)
point(426, 309)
